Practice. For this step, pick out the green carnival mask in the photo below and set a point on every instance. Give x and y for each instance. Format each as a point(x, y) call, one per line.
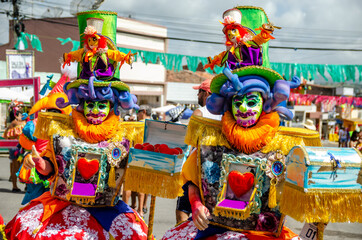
point(247, 108)
point(96, 112)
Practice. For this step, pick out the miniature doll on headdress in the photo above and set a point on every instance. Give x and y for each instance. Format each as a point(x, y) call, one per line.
point(85, 161)
point(99, 57)
point(243, 47)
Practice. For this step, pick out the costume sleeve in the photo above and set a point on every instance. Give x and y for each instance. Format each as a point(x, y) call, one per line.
point(116, 55)
point(74, 56)
point(190, 169)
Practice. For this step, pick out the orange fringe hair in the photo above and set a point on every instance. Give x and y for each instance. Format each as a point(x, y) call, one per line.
point(95, 133)
point(250, 140)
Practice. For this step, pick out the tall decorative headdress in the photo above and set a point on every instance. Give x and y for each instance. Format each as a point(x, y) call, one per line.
point(271, 84)
point(101, 24)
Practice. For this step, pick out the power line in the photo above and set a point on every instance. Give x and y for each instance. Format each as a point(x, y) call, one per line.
point(221, 43)
point(278, 47)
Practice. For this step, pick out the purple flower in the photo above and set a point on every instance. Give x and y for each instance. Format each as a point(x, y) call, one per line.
point(204, 186)
point(267, 222)
point(125, 143)
point(103, 144)
point(61, 190)
point(61, 164)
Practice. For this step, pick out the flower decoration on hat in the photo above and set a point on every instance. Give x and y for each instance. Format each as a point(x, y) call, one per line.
point(91, 31)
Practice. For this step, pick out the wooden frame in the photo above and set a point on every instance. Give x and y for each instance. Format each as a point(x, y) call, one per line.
point(35, 82)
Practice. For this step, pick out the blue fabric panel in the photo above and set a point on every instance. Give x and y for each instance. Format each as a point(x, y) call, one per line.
point(106, 215)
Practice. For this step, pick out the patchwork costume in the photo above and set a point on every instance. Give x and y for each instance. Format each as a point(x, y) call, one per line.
point(87, 155)
point(239, 165)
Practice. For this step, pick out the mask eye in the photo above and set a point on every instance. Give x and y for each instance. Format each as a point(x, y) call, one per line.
point(238, 104)
point(94, 39)
point(251, 103)
point(90, 105)
point(102, 106)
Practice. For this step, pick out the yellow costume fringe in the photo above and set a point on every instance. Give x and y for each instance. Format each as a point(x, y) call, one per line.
point(163, 184)
point(321, 205)
point(233, 213)
point(53, 123)
point(205, 131)
point(286, 138)
point(133, 131)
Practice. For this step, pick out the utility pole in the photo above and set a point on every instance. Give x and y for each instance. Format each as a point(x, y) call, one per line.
point(18, 25)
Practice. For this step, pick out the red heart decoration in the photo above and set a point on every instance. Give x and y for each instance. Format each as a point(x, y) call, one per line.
point(87, 168)
point(240, 183)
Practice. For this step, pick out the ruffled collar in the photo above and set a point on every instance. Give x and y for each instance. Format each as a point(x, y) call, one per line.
point(95, 133)
point(252, 139)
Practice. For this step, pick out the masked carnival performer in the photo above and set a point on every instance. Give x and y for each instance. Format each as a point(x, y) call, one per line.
point(235, 176)
point(35, 186)
point(85, 161)
point(14, 129)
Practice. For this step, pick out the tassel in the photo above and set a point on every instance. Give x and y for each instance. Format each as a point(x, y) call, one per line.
point(112, 178)
point(37, 229)
point(111, 237)
point(272, 201)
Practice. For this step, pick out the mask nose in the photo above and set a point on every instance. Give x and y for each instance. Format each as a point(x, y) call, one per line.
point(244, 107)
point(95, 110)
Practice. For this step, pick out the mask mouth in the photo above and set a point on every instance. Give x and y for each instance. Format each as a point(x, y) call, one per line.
point(245, 115)
point(94, 115)
point(95, 118)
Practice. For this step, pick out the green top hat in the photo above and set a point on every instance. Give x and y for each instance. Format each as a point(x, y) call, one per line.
point(109, 28)
point(255, 17)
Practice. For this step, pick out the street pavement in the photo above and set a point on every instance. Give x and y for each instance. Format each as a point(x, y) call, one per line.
point(164, 210)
